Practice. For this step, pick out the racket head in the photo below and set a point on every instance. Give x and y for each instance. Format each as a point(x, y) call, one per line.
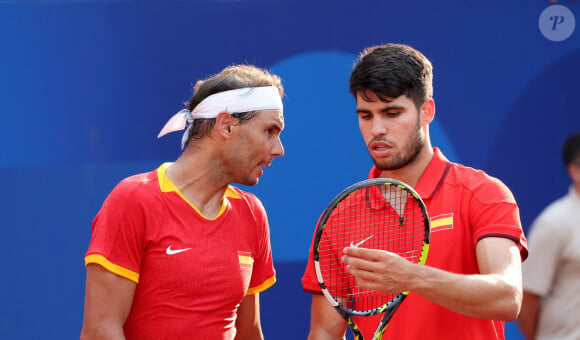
point(384, 214)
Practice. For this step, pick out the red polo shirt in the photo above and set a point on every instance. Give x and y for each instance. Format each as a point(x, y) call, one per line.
point(464, 205)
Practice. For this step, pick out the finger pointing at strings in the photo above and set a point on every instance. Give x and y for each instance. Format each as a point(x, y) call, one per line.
point(373, 255)
point(365, 271)
point(362, 262)
point(377, 269)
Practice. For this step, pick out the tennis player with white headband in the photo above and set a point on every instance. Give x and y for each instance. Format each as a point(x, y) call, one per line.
point(179, 252)
point(239, 100)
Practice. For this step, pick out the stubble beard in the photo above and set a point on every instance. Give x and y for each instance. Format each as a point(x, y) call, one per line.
point(409, 154)
point(249, 180)
point(243, 173)
point(244, 176)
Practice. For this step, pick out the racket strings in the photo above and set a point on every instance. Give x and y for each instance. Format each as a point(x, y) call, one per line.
point(382, 217)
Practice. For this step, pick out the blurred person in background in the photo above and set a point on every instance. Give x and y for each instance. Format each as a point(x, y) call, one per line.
point(551, 275)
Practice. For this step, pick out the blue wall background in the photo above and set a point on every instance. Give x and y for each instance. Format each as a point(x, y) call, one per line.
point(85, 86)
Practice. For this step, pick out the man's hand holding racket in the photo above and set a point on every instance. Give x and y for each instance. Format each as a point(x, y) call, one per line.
point(376, 219)
point(380, 270)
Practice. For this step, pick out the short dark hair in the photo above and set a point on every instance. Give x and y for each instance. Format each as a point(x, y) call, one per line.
point(392, 70)
point(571, 149)
point(231, 78)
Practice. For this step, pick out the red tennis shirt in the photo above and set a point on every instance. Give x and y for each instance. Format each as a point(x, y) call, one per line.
point(191, 272)
point(464, 205)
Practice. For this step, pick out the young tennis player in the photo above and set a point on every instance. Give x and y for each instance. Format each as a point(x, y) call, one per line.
point(178, 252)
point(471, 282)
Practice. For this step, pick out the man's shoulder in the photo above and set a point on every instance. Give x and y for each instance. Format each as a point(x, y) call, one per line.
point(246, 202)
point(138, 183)
point(561, 208)
point(236, 193)
point(481, 184)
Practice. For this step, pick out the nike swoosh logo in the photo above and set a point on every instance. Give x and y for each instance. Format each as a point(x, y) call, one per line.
point(170, 251)
point(361, 242)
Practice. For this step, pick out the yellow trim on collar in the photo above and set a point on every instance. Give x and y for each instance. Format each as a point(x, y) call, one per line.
point(166, 185)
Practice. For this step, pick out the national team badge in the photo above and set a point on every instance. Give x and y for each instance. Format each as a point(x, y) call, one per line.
point(245, 258)
point(442, 222)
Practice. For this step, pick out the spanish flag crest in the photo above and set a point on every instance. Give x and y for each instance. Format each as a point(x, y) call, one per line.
point(245, 259)
point(442, 222)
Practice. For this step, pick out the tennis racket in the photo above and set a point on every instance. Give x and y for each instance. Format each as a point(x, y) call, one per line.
point(379, 213)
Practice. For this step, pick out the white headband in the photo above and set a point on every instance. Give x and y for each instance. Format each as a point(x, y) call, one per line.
point(233, 101)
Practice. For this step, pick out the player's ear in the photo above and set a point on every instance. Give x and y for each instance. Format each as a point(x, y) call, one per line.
point(427, 112)
point(223, 124)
